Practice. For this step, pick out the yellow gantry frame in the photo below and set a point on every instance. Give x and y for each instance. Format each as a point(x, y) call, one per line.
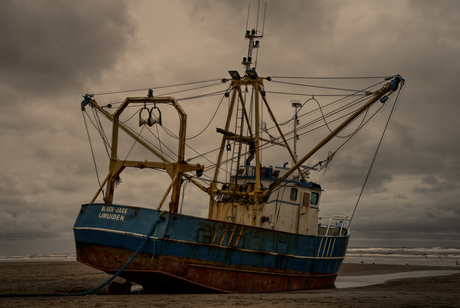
point(255, 137)
point(257, 193)
point(174, 169)
point(331, 135)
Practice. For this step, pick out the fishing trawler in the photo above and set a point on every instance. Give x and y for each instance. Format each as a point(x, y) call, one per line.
point(263, 232)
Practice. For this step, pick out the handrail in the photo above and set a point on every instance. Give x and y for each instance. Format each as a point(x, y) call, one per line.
point(344, 222)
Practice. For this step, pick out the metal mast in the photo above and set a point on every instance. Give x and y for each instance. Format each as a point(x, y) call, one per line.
point(254, 138)
point(251, 35)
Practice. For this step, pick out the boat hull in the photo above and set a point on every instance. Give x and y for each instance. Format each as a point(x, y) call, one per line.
point(187, 254)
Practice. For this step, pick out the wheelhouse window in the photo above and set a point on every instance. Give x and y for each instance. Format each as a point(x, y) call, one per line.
point(263, 172)
point(294, 194)
point(314, 198)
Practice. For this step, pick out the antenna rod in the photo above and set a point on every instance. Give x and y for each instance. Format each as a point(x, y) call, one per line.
point(265, 13)
point(247, 21)
point(251, 35)
point(258, 10)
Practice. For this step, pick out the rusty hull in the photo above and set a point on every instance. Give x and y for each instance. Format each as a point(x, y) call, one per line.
point(172, 275)
point(189, 254)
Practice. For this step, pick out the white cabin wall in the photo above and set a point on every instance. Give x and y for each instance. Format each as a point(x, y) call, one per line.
point(283, 215)
point(295, 215)
point(308, 215)
point(243, 214)
point(232, 212)
point(280, 213)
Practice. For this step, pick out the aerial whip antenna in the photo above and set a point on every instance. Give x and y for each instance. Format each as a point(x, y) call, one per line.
point(251, 35)
point(247, 21)
point(263, 25)
point(258, 10)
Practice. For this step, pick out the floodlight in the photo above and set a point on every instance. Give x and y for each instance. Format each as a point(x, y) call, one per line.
point(234, 74)
point(252, 74)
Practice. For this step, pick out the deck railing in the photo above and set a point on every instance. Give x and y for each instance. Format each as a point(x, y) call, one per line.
point(335, 221)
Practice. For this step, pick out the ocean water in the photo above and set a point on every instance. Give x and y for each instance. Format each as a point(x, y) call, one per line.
point(48, 257)
point(433, 256)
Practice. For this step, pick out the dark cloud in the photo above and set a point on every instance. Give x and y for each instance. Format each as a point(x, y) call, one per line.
point(49, 47)
point(21, 219)
point(52, 51)
point(280, 16)
point(11, 197)
point(431, 184)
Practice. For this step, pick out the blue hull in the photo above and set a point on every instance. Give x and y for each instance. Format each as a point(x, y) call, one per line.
point(190, 254)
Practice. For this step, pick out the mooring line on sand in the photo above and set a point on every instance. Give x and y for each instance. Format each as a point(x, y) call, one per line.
point(160, 219)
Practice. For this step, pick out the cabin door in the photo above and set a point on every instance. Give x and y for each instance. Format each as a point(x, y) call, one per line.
point(303, 210)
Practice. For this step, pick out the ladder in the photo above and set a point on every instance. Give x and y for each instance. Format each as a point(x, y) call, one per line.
point(239, 125)
point(234, 235)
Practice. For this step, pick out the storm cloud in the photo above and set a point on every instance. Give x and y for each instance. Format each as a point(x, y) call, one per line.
point(53, 52)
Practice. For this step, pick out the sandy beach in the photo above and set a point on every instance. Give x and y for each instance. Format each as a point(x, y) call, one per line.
point(73, 277)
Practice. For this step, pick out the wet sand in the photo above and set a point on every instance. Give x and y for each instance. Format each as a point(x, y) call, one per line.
point(73, 277)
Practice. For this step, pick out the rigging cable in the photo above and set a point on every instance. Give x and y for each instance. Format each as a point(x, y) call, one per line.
point(154, 88)
point(183, 193)
point(173, 157)
point(268, 145)
point(161, 149)
point(146, 238)
point(306, 94)
point(130, 116)
point(134, 142)
point(349, 105)
point(204, 129)
point(312, 86)
point(180, 99)
point(202, 155)
point(91, 146)
point(350, 136)
point(171, 134)
point(201, 96)
point(332, 113)
point(212, 118)
point(371, 77)
point(324, 118)
point(101, 131)
point(344, 96)
point(153, 145)
point(359, 128)
point(192, 89)
point(376, 152)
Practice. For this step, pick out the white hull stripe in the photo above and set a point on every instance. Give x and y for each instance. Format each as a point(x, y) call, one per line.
point(203, 244)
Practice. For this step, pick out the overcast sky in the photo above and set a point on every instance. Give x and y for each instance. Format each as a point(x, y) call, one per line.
point(53, 52)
